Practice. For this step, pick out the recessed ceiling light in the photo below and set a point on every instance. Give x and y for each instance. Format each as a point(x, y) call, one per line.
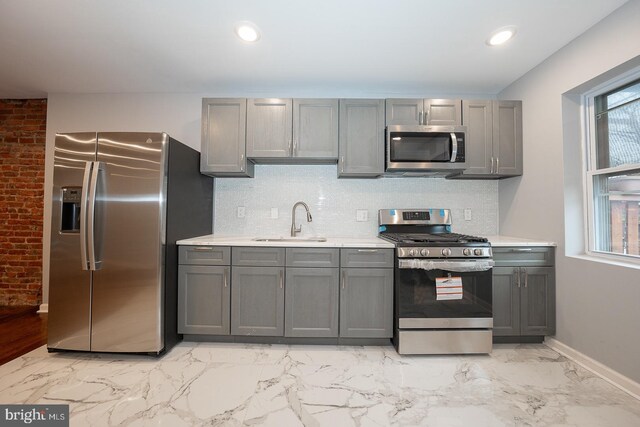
point(501, 35)
point(247, 31)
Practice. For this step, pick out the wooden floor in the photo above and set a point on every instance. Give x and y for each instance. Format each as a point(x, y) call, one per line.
point(21, 330)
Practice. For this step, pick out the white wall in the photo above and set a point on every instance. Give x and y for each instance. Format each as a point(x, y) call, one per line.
point(598, 304)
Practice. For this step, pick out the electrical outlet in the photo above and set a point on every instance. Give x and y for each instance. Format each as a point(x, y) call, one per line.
point(242, 211)
point(274, 213)
point(362, 215)
point(467, 214)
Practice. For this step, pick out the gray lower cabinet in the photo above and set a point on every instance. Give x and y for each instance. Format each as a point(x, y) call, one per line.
point(366, 302)
point(524, 294)
point(224, 123)
point(257, 301)
point(494, 138)
point(361, 138)
point(204, 294)
point(430, 112)
point(311, 302)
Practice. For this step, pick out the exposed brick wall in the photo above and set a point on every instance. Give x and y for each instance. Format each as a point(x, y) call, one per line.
point(22, 148)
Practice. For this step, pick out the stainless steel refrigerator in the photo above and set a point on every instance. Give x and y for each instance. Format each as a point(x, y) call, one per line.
point(120, 202)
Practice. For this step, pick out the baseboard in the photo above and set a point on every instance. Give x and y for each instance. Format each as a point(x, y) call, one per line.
point(617, 379)
point(44, 308)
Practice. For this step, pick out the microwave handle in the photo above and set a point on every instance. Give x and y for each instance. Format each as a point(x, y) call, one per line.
point(454, 147)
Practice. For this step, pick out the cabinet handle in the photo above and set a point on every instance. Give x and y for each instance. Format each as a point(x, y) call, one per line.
point(368, 250)
point(497, 164)
point(420, 118)
point(281, 279)
point(526, 277)
point(295, 146)
point(224, 277)
point(425, 118)
point(289, 146)
point(491, 165)
point(203, 248)
point(520, 250)
point(342, 161)
point(344, 279)
point(517, 273)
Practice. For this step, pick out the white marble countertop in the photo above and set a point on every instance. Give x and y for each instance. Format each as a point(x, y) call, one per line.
point(331, 242)
point(337, 242)
point(498, 241)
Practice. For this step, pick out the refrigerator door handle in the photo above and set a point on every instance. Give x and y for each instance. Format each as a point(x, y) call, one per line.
point(91, 216)
point(83, 215)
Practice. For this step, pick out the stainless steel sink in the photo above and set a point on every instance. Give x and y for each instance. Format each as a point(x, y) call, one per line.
point(290, 239)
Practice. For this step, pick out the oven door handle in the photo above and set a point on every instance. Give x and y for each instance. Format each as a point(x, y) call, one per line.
point(455, 266)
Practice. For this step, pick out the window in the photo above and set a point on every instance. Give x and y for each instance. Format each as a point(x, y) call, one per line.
point(613, 173)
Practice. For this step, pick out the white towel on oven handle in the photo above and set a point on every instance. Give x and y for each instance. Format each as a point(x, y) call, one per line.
point(457, 266)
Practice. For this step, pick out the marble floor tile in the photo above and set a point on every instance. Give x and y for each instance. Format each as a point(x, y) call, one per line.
point(298, 385)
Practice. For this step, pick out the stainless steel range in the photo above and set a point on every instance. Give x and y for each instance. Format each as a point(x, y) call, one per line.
point(443, 284)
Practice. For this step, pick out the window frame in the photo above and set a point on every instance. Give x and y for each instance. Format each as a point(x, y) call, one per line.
point(590, 169)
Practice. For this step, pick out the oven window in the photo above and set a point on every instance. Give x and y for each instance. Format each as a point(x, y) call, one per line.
point(420, 147)
point(417, 297)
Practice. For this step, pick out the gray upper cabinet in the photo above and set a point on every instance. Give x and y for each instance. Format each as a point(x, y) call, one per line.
point(269, 127)
point(361, 138)
point(494, 138)
point(431, 112)
point(223, 138)
point(298, 130)
point(315, 129)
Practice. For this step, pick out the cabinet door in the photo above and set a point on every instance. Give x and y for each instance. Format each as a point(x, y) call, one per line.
point(311, 302)
point(203, 300)
point(507, 137)
point(257, 301)
point(404, 111)
point(315, 128)
point(442, 112)
point(506, 301)
point(478, 118)
point(537, 301)
point(269, 127)
point(223, 137)
point(366, 302)
point(361, 138)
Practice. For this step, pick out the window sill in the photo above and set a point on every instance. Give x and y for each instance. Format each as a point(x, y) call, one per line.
point(606, 260)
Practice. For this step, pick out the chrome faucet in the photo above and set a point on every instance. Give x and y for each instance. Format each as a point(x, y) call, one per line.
point(295, 229)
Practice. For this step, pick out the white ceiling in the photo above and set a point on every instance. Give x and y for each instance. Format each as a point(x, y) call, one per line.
point(322, 46)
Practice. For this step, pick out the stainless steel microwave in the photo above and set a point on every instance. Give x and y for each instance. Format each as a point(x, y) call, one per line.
point(426, 149)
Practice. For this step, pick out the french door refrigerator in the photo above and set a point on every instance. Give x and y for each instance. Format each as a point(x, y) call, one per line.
point(120, 202)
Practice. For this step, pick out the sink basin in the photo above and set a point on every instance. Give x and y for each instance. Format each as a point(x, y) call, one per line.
point(290, 239)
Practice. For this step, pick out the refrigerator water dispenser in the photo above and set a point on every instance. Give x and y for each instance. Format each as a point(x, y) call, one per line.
point(70, 218)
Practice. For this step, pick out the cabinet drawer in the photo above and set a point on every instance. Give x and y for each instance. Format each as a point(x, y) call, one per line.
point(204, 255)
point(520, 256)
point(313, 257)
point(258, 257)
point(366, 258)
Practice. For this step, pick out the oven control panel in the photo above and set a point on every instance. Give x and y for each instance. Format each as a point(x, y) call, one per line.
point(439, 252)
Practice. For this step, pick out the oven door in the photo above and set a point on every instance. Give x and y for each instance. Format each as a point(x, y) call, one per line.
point(444, 294)
point(424, 147)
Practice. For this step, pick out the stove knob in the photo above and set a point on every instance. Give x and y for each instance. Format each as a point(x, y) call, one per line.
point(424, 252)
point(446, 252)
point(412, 252)
point(477, 252)
point(466, 251)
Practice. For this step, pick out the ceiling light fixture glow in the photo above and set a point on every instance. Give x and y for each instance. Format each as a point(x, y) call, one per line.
point(501, 36)
point(248, 32)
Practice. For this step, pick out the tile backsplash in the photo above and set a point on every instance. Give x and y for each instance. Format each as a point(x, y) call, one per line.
point(333, 202)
